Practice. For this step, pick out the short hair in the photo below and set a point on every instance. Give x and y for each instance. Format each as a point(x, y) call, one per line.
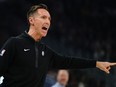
point(34, 8)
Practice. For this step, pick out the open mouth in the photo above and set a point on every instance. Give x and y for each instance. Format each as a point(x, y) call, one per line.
point(44, 28)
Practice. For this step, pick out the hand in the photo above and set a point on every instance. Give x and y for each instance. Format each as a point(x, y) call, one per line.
point(105, 66)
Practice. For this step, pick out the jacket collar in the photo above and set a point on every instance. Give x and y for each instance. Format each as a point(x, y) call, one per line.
point(27, 36)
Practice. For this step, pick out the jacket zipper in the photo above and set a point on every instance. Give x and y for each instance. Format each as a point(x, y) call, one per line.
point(36, 54)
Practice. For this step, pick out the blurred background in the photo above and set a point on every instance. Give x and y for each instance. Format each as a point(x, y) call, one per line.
point(80, 28)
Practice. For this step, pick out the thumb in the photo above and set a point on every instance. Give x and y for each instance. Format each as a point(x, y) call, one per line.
point(106, 70)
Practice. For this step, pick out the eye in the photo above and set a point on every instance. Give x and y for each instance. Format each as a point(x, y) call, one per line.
point(50, 18)
point(43, 17)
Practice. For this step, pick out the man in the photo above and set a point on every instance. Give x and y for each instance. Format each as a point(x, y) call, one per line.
point(24, 60)
point(62, 78)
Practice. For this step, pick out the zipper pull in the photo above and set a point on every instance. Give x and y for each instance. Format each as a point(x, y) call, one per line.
point(43, 53)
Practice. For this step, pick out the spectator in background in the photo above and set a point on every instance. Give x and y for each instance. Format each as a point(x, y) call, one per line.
point(62, 78)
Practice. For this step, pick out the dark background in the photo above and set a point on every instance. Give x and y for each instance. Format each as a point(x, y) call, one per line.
point(81, 28)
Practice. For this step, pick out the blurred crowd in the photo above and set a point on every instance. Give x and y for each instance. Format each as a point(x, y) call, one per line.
point(81, 28)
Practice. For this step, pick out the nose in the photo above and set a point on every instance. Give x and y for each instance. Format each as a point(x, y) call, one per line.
point(48, 21)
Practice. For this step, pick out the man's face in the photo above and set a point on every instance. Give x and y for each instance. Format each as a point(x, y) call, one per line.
point(40, 22)
point(63, 77)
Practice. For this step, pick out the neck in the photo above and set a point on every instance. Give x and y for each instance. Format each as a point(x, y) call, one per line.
point(63, 85)
point(34, 34)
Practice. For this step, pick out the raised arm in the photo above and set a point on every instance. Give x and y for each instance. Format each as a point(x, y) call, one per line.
point(65, 62)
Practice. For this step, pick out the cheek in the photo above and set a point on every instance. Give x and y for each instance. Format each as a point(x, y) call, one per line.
point(37, 25)
point(38, 22)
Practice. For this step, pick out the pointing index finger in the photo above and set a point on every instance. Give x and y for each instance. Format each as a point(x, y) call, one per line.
point(113, 64)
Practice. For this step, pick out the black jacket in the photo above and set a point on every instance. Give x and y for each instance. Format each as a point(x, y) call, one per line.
point(24, 62)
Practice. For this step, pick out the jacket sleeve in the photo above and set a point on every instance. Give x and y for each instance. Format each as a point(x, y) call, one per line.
point(6, 55)
point(64, 62)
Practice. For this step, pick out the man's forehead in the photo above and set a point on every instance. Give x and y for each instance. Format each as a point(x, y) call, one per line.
point(43, 12)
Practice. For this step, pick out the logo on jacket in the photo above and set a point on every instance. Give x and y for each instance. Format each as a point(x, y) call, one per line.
point(2, 52)
point(43, 53)
point(26, 49)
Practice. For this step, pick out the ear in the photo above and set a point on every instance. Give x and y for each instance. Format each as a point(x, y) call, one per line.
point(31, 20)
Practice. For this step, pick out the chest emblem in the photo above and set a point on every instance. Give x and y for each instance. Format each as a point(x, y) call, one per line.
point(26, 50)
